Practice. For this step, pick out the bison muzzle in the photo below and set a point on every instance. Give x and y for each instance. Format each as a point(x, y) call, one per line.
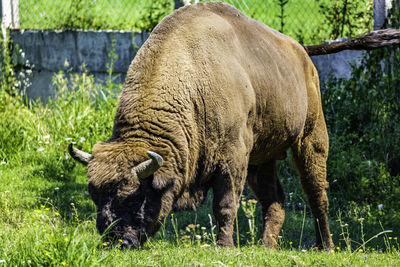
point(212, 99)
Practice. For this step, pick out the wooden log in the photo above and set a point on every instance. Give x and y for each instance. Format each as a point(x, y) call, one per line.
point(373, 40)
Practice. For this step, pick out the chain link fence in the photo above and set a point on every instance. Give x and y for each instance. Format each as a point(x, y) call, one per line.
point(308, 21)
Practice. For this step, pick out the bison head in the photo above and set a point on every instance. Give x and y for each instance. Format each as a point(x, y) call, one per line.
point(128, 205)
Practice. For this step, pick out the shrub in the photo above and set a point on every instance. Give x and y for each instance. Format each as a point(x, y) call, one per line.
point(152, 13)
point(363, 118)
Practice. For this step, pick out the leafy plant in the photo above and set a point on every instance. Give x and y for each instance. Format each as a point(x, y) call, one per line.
point(8, 74)
point(249, 209)
point(363, 117)
point(81, 14)
point(345, 18)
point(152, 13)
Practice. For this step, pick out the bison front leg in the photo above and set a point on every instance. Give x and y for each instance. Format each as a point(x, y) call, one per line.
point(310, 155)
point(227, 189)
point(264, 182)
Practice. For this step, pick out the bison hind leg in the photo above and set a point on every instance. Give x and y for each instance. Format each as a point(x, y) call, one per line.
point(265, 184)
point(309, 155)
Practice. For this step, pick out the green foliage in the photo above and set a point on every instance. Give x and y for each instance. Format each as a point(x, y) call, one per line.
point(363, 117)
point(345, 18)
point(152, 13)
point(93, 15)
point(307, 21)
point(7, 63)
point(81, 14)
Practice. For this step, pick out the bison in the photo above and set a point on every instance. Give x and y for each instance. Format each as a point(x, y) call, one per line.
point(212, 99)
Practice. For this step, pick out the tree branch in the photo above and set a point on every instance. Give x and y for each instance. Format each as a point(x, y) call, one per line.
point(373, 40)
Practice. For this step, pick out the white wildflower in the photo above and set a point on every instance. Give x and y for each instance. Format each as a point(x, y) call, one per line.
point(46, 136)
point(3, 163)
point(83, 139)
point(380, 206)
point(2, 261)
point(40, 149)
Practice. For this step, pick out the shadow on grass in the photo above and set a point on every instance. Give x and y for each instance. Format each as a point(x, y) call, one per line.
point(66, 189)
point(71, 201)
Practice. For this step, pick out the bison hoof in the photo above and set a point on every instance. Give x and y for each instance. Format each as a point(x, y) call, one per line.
point(128, 244)
point(271, 244)
point(329, 248)
point(270, 241)
point(225, 243)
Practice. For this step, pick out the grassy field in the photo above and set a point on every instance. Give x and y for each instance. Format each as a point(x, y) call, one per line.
point(301, 19)
point(48, 219)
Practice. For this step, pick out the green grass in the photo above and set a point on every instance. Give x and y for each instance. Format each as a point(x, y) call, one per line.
point(47, 218)
point(40, 226)
point(302, 19)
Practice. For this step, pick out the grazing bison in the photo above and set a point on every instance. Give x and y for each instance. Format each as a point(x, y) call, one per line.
point(212, 99)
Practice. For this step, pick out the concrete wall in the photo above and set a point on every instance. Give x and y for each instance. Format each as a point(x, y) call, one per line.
point(49, 50)
point(338, 64)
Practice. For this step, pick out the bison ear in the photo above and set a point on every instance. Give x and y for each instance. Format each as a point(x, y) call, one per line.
point(148, 167)
point(79, 155)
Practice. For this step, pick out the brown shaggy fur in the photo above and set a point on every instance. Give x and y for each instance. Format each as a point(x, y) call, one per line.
point(220, 97)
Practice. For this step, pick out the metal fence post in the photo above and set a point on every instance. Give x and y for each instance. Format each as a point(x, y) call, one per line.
point(9, 13)
point(9, 16)
point(381, 10)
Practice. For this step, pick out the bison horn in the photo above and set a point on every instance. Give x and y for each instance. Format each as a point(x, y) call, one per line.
point(78, 155)
point(148, 167)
